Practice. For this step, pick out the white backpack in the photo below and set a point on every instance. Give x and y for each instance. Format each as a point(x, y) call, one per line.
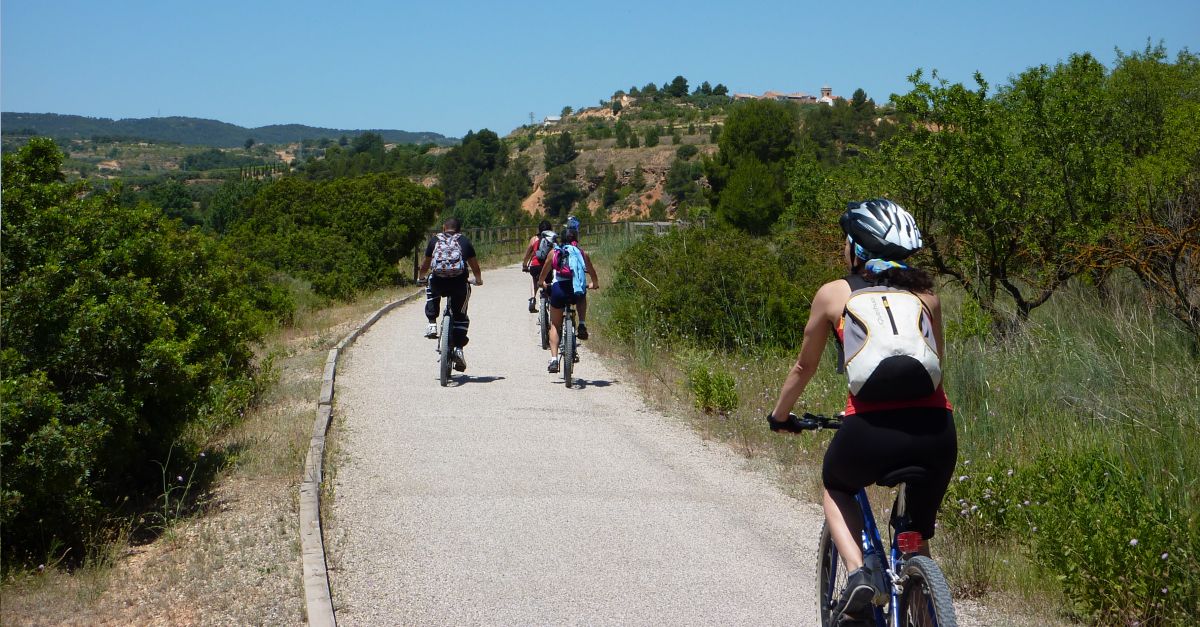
point(890, 353)
point(447, 255)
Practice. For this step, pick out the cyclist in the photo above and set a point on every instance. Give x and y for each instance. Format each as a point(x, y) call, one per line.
point(562, 291)
point(447, 257)
point(539, 246)
point(876, 437)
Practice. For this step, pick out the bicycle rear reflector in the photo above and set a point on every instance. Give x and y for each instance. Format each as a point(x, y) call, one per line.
point(909, 541)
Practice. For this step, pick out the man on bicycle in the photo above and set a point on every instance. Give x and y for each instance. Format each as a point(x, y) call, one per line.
point(878, 434)
point(447, 257)
point(562, 290)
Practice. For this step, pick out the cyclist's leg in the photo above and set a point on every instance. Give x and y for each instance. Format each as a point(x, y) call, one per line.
point(858, 455)
point(433, 300)
point(460, 294)
point(935, 449)
point(558, 301)
point(534, 273)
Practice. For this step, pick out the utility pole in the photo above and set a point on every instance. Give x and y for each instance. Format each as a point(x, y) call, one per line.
point(531, 118)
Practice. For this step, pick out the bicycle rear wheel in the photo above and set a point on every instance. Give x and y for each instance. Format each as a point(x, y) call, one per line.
point(925, 599)
point(568, 349)
point(446, 350)
point(831, 578)
point(544, 324)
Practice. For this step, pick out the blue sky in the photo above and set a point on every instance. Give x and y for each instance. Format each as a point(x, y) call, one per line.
point(450, 66)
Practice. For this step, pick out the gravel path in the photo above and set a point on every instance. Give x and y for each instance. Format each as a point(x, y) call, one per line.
point(506, 498)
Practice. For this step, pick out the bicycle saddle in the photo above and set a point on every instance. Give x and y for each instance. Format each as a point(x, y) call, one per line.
point(902, 475)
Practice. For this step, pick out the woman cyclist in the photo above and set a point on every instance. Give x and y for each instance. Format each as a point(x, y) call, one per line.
point(876, 437)
point(532, 263)
point(562, 292)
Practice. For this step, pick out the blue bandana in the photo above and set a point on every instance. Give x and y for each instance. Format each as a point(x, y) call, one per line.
point(879, 266)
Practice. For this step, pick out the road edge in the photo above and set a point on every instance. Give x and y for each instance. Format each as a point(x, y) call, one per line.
point(318, 601)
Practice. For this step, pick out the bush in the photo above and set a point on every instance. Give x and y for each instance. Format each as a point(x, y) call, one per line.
point(1086, 519)
point(120, 329)
point(344, 235)
point(714, 391)
point(717, 287)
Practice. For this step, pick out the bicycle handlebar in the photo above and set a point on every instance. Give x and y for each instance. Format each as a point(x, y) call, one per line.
point(816, 422)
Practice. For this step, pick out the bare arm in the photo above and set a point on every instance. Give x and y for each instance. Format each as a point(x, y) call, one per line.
point(826, 308)
point(591, 270)
point(545, 271)
point(528, 254)
point(424, 271)
point(474, 263)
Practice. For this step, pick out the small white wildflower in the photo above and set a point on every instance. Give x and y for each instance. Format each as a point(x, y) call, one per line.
point(974, 507)
point(179, 478)
point(41, 567)
point(1164, 556)
point(1164, 590)
point(1026, 503)
point(1010, 472)
point(1034, 530)
point(967, 463)
point(1133, 542)
point(202, 455)
point(962, 478)
point(989, 479)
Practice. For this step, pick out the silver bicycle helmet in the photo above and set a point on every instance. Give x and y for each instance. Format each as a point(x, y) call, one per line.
point(882, 229)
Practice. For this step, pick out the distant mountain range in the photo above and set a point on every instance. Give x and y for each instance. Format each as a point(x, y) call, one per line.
point(194, 131)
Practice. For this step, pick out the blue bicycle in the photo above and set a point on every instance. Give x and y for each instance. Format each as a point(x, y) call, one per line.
point(917, 593)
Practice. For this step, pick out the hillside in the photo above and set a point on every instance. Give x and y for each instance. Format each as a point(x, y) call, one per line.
point(191, 131)
point(593, 132)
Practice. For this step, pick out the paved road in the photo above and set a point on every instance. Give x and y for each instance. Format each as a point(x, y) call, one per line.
point(506, 498)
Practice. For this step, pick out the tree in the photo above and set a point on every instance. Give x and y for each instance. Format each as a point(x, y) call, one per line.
point(720, 90)
point(705, 89)
point(566, 111)
point(752, 199)
point(764, 129)
point(678, 87)
point(1008, 188)
point(608, 187)
point(560, 150)
point(638, 182)
point(476, 212)
point(651, 136)
point(560, 190)
point(249, 143)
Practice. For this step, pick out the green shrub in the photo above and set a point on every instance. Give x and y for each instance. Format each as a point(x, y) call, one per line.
point(120, 329)
point(343, 236)
point(713, 390)
point(1087, 520)
point(716, 287)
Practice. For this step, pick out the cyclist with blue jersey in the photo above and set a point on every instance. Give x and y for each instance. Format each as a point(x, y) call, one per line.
point(564, 290)
point(893, 428)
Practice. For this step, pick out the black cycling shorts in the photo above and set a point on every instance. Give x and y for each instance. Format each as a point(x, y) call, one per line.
point(868, 446)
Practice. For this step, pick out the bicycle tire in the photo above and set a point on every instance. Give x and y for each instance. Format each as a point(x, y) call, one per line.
point(925, 599)
point(446, 350)
point(831, 578)
point(544, 324)
point(568, 349)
